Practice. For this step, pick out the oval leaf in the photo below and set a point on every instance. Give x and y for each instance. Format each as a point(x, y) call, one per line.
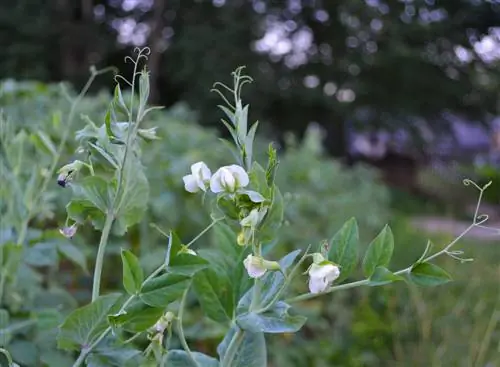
point(429, 275)
point(133, 275)
point(379, 251)
point(344, 248)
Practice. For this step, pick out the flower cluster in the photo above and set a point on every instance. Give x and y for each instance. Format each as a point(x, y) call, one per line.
point(225, 179)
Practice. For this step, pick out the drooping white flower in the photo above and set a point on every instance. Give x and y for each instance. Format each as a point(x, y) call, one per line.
point(322, 275)
point(257, 266)
point(68, 232)
point(229, 178)
point(198, 179)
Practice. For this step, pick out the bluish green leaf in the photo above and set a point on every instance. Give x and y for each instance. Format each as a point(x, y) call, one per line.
point(24, 352)
point(136, 317)
point(74, 254)
point(133, 276)
point(258, 179)
point(251, 353)
point(42, 254)
point(82, 210)
point(179, 358)
point(344, 248)
point(275, 320)
point(114, 356)
point(163, 290)
point(85, 324)
point(427, 274)
point(382, 276)
point(379, 251)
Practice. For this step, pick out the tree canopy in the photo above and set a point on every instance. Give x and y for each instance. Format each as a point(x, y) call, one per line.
point(370, 62)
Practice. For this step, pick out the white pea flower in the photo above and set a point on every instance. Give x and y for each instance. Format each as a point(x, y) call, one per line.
point(198, 179)
point(68, 232)
point(322, 275)
point(229, 178)
point(257, 266)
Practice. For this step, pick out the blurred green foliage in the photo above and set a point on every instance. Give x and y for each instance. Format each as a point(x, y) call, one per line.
point(396, 326)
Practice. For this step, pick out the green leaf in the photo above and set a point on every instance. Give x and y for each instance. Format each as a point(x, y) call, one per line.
point(249, 143)
point(383, 276)
point(429, 275)
point(137, 317)
point(74, 254)
point(344, 248)
point(163, 290)
point(42, 254)
point(11, 255)
point(251, 353)
point(135, 197)
point(133, 276)
point(107, 122)
point(173, 247)
point(187, 264)
point(379, 251)
point(102, 155)
point(81, 210)
point(179, 358)
point(273, 219)
point(275, 320)
point(94, 190)
point(84, 325)
point(258, 179)
point(118, 99)
point(214, 293)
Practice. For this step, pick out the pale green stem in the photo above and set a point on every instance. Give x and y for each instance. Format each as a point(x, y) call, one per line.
point(180, 330)
point(232, 349)
point(100, 255)
point(307, 296)
point(214, 222)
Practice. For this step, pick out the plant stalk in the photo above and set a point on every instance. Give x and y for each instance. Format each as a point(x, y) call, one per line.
point(100, 255)
point(180, 330)
point(232, 349)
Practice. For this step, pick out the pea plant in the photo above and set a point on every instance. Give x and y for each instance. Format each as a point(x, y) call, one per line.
point(238, 283)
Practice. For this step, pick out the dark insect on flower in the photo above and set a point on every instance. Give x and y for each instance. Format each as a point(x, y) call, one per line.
point(63, 178)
